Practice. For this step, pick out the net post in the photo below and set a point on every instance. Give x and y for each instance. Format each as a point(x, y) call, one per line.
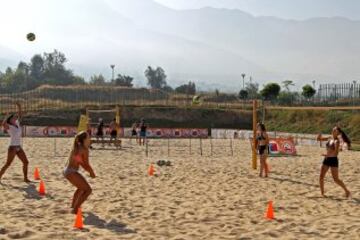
point(254, 157)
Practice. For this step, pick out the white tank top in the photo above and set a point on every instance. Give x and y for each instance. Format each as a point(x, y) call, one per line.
point(15, 134)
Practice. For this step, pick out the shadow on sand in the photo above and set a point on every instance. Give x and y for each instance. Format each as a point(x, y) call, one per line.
point(293, 181)
point(30, 191)
point(113, 225)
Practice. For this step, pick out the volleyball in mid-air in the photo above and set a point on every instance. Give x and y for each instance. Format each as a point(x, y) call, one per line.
point(30, 36)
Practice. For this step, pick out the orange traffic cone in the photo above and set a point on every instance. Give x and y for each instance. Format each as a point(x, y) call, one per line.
point(270, 211)
point(78, 220)
point(36, 174)
point(151, 170)
point(42, 188)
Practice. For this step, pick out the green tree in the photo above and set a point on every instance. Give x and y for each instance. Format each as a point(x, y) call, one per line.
point(123, 81)
point(167, 88)
point(36, 71)
point(243, 94)
point(77, 80)
point(217, 92)
point(270, 91)
point(46, 69)
point(252, 89)
point(287, 84)
point(156, 77)
point(287, 98)
point(97, 80)
point(55, 71)
point(308, 91)
point(6, 81)
point(189, 88)
point(21, 77)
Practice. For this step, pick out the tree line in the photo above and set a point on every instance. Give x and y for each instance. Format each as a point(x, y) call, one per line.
point(49, 68)
point(274, 92)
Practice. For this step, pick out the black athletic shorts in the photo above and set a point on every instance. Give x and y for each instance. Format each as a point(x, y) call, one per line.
point(113, 133)
point(331, 162)
point(263, 149)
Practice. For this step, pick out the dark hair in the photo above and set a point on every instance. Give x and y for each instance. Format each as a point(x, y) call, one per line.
point(262, 127)
point(344, 136)
point(8, 120)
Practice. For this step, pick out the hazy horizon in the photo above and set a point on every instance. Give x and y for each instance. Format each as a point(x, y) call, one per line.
point(294, 9)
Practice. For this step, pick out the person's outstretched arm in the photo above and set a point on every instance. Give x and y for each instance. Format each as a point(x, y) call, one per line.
point(19, 110)
point(5, 124)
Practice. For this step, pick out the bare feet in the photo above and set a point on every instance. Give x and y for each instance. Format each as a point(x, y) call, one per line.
point(27, 180)
point(73, 211)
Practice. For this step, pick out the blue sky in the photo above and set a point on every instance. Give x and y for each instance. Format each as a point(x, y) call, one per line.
point(289, 9)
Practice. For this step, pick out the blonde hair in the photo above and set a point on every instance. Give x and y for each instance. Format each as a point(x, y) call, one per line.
point(79, 141)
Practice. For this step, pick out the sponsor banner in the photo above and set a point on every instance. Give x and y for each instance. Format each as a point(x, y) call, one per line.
point(177, 133)
point(171, 133)
point(35, 131)
point(227, 134)
point(32, 131)
point(282, 146)
point(298, 139)
point(56, 131)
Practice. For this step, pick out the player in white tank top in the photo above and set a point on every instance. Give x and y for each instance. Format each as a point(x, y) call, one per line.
point(12, 125)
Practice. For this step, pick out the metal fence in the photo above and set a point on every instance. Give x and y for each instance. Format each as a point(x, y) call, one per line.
point(67, 97)
point(336, 92)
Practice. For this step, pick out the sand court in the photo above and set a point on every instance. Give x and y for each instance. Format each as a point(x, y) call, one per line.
point(198, 197)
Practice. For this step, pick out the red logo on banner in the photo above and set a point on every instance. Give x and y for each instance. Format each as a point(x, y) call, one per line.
point(282, 146)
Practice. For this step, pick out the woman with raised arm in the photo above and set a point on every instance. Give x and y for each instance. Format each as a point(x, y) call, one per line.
point(331, 160)
point(12, 125)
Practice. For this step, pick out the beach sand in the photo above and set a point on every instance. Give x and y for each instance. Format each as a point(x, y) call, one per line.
point(213, 196)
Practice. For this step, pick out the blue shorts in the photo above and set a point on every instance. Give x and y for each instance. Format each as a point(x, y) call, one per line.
point(142, 134)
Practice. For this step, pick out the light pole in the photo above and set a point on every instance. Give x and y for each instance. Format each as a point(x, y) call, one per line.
point(243, 77)
point(313, 82)
point(112, 67)
point(354, 92)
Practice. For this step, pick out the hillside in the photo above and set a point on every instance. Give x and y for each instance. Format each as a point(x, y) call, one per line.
point(295, 121)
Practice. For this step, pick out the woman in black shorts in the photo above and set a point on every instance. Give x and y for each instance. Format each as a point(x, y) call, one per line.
point(113, 131)
point(100, 131)
point(331, 158)
point(143, 129)
point(134, 132)
point(262, 145)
